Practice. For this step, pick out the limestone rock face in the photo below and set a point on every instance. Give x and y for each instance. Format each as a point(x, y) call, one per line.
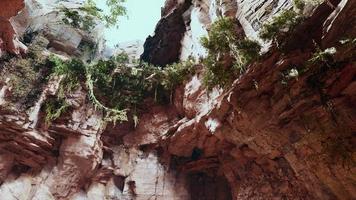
point(269, 136)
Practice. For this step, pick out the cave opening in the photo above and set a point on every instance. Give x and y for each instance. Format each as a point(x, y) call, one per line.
point(203, 186)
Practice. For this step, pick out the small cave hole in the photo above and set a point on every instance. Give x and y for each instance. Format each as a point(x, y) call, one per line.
point(203, 186)
point(197, 153)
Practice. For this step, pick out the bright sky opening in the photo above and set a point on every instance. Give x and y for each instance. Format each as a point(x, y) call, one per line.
point(140, 22)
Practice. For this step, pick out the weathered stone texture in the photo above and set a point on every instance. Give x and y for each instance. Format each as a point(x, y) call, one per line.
point(269, 136)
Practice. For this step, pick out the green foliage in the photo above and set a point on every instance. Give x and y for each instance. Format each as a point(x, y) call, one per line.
point(322, 56)
point(76, 20)
point(54, 109)
point(176, 73)
point(299, 4)
point(111, 114)
point(248, 51)
point(106, 87)
point(333, 57)
point(228, 53)
point(216, 74)
point(221, 34)
point(20, 85)
point(116, 10)
point(71, 71)
point(88, 50)
point(25, 76)
point(280, 26)
point(123, 87)
point(85, 16)
point(117, 86)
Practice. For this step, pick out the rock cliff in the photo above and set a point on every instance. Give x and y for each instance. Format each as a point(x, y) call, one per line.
point(8, 40)
point(271, 135)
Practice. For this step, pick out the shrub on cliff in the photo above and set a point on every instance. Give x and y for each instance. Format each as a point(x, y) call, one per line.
point(20, 86)
point(85, 16)
point(125, 87)
point(25, 76)
point(322, 56)
point(71, 72)
point(54, 108)
point(228, 53)
point(115, 86)
point(280, 27)
point(299, 4)
point(222, 33)
point(176, 73)
point(247, 51)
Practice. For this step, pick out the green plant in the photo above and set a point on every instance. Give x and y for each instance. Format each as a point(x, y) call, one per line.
point(299, 4)
point(71, 71)
point(174, 74)
point(247, 51)
point(218, 63)
point(111, 114)
point(25, 76)
point(20, 85)
point(118, 86)
point(280, 26)
point(216, 74)
point(85, 16)
point(116, 10)
point(228, 53)
point(36, 46)
point(73, 18)
point(221, 34)
point(322, 56)
point(54, 108)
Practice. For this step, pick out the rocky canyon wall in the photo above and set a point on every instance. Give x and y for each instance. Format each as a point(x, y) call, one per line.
point(8, 40)
point(269, 136)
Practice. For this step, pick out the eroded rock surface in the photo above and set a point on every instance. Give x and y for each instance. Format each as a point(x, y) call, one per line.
point(8, 39)
point(164, 46)
point(269, 136)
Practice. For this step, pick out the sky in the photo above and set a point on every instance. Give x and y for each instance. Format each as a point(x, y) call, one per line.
point(142, 17)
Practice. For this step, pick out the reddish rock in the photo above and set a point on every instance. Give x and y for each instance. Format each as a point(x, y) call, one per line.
point(8, 40)
point(164, 46)
point(290, 140)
